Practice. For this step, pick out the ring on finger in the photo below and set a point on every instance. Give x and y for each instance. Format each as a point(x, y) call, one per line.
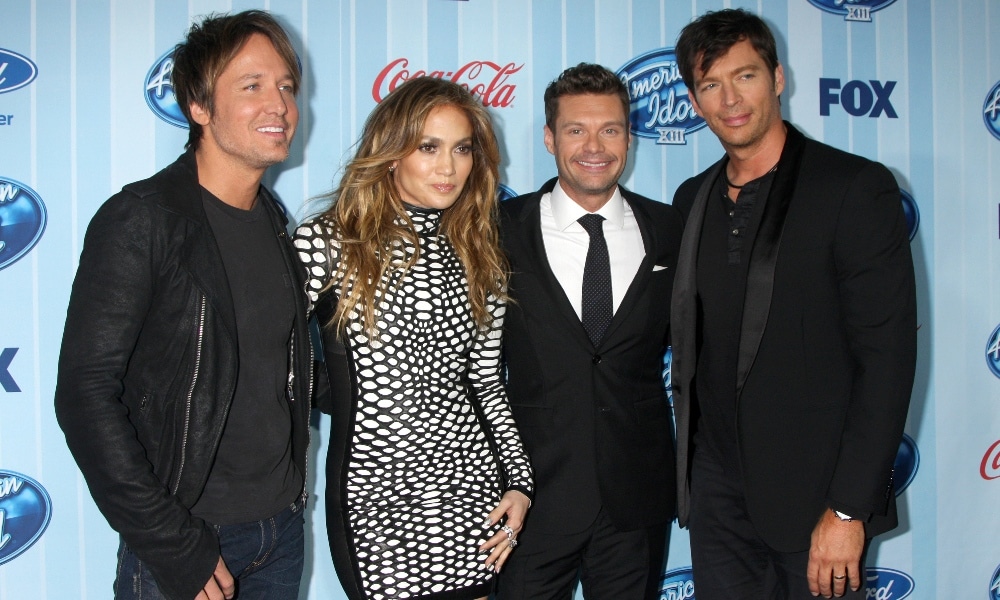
point(510, 532)
point(840, 577)
point(512, 543)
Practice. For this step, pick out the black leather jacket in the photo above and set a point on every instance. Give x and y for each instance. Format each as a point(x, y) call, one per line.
point(148, 368)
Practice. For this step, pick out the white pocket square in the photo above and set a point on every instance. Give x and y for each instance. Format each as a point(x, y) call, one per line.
point(659, 268)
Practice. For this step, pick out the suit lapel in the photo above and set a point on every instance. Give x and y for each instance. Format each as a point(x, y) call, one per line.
point(764, 256)
point(638, 284)
point(683, 315)
point(536, 260)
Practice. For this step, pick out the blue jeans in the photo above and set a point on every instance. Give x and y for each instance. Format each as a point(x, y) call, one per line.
point(265, 557)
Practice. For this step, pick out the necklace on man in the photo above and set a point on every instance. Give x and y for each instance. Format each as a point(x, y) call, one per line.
point(725, 177)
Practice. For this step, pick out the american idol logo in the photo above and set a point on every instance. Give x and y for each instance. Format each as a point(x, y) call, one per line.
point(907, 461)
point(911, 213)
point(16, 71)
point(22, 220)
point(677, 585)
point(668, 357)
point(853, 10)
point(25, 510)
point(887, 584)
point(991, 111)
point(995, 585)
point(660, 107)
point(504, 193)
point(993, 352)
point(160, 91)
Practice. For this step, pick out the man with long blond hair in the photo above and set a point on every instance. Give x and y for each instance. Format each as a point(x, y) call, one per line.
point(410, 286)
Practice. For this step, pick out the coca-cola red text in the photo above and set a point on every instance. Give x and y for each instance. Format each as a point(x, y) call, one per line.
point(495, 93)
point(990, 467)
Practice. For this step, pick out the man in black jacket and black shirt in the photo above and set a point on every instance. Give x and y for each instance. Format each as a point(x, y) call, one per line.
point(185, 372)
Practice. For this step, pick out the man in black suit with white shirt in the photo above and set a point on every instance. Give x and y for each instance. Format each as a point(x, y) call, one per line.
point(592, 268)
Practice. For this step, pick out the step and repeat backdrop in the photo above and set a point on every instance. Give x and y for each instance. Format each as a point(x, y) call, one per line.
point(86, 106)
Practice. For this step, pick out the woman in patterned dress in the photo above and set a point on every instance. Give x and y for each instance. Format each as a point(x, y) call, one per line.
point(427, 482)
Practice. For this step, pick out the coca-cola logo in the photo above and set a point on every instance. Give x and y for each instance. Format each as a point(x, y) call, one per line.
point(660, 107)
point(486, 80)
point(990, 467)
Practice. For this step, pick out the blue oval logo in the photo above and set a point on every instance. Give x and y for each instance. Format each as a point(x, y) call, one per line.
point(660, 107)
point(16, 71)
point(852, 10)
point(504, 193)
point(993, 351)
point(668, 358)
point(911, 213)
point(904, 469)
point(22, 220)
point(995, 585)
point(991, 111)
point(25, 510)
point(887, 584)
point(677, 584)
point(160, 92)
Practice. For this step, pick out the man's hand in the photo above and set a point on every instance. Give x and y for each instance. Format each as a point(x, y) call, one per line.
point(220, 586)
point(835, 556)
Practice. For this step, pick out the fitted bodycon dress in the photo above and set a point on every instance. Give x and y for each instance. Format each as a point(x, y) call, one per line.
point(424, 445)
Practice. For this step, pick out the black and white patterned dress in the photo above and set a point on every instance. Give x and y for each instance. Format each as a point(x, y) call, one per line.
point(428, 441)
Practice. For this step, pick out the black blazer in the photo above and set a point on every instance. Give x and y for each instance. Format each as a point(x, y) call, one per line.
point(595, 421)
point(827, 344)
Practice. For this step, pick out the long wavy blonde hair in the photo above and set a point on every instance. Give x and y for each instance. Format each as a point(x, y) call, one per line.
point(369, 218)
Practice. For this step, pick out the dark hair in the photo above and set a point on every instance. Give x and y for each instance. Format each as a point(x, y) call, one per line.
point(711, 35)
point(584, 78)
point(207, 51)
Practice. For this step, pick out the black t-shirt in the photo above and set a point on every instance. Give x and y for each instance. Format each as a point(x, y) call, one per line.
point(254, 476)
point(727, 238)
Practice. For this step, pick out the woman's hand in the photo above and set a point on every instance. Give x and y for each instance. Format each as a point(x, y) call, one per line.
point(514, 505)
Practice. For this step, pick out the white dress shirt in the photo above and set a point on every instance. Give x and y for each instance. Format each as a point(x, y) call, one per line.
point(566, 243)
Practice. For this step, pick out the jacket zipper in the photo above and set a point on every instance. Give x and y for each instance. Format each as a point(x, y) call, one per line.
point(190, 395)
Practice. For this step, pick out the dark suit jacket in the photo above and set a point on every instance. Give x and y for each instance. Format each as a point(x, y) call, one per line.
point(827, 343)
point(595, 420)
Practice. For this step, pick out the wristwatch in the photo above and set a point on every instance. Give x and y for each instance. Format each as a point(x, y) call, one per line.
point(842, 516)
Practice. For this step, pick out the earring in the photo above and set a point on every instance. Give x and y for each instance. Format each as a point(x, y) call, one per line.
point(391, 169)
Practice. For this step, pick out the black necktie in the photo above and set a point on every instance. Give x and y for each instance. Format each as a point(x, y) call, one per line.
point(597, 303)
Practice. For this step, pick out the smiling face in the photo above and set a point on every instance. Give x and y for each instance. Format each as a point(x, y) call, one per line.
point(738, 98)
point(590, 144)
point(434, 175)
point(255, 114)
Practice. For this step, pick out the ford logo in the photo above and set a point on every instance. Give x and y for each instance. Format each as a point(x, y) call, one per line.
point(993, 352)
point(995, 585)
point(904, 469)
point(16, 71)
point(668, 357)
point(25, 510)
point(504, 193)
point(852, 10)
point(911, 213)
point(160, 92)
point(22, 220)
point(660, 108)
point(887, 584)
point(677, 585)
point(991, 111)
